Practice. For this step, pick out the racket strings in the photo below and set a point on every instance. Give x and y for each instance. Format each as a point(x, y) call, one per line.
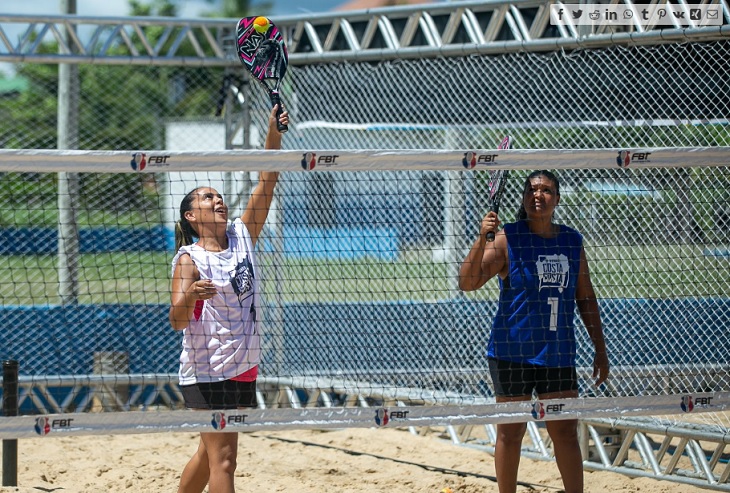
point(269, 60)
point(495, 183)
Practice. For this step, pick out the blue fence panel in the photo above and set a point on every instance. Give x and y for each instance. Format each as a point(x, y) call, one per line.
point(341, 243)
point(379, 337)
point(25, 241)
point(62, 340)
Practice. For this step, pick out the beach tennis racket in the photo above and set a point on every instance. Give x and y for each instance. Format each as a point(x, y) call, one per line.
point(497, 181)
point(262, 51)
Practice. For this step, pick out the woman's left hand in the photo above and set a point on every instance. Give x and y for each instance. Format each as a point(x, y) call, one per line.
point(600, 367)
point(283, 118)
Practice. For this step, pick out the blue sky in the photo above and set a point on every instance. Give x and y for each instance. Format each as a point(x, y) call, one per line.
point(187, 8)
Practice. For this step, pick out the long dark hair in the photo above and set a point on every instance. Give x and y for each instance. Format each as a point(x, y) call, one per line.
point(522, 213)
point(184, 231)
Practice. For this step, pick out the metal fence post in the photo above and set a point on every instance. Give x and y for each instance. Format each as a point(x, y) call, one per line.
point(10, 408)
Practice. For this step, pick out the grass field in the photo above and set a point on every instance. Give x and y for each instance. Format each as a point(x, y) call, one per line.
point(665, 271)
point(128, 277)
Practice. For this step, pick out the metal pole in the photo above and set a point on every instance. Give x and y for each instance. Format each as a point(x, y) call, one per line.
point(10, 408)
point(68, 183)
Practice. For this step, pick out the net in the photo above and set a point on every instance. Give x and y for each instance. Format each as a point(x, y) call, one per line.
point(373, 216)
point(361, 302)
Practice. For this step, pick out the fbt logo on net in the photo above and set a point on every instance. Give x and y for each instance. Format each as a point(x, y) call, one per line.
point(637, 14)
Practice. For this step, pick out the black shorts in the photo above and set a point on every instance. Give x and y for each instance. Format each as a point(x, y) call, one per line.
point(228, 394)
point(519, 379)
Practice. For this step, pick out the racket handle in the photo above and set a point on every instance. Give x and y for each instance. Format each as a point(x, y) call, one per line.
point(276, 99)
point(490, 234)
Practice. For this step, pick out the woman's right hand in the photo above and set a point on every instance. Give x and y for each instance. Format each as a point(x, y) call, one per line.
point(490, 222)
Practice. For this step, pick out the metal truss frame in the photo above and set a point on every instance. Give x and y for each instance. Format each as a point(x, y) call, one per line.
point(419, 31)
point(692, 454)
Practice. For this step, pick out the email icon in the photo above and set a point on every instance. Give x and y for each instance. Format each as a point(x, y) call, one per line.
point(712, 14)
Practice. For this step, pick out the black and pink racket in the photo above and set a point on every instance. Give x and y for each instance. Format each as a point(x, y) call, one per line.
point(262, 51)
point(497, 181)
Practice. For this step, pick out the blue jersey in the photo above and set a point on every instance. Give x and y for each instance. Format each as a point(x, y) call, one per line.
point(534, 323)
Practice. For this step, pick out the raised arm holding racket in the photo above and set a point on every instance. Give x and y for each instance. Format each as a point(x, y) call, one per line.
point(215, 300)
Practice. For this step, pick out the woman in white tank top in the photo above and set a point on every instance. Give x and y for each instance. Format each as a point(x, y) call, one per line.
point(215, 295)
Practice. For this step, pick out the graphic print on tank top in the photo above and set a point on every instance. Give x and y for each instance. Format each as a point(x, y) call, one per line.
point(553, 271)
point(242, 280)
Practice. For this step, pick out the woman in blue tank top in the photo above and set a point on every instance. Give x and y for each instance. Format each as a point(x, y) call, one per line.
point(543, 275)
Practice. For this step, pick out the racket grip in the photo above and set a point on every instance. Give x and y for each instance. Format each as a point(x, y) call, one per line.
point(276, 99)
point(491, 234)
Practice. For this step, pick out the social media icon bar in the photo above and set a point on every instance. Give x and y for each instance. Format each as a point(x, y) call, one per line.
point(675, 15)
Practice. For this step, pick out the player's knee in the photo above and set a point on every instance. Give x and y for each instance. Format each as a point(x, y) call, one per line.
point(231, 465)
point(511, 433)
point(563, 431)
point(226, 466)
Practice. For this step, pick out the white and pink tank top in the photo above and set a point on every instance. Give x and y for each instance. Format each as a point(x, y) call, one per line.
point(223, 338)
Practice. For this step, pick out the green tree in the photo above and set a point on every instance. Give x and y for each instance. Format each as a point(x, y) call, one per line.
point(162, 8)
point(238, 8)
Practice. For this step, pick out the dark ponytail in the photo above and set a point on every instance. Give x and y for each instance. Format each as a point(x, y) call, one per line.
point(522, 213)
point(184, 232)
